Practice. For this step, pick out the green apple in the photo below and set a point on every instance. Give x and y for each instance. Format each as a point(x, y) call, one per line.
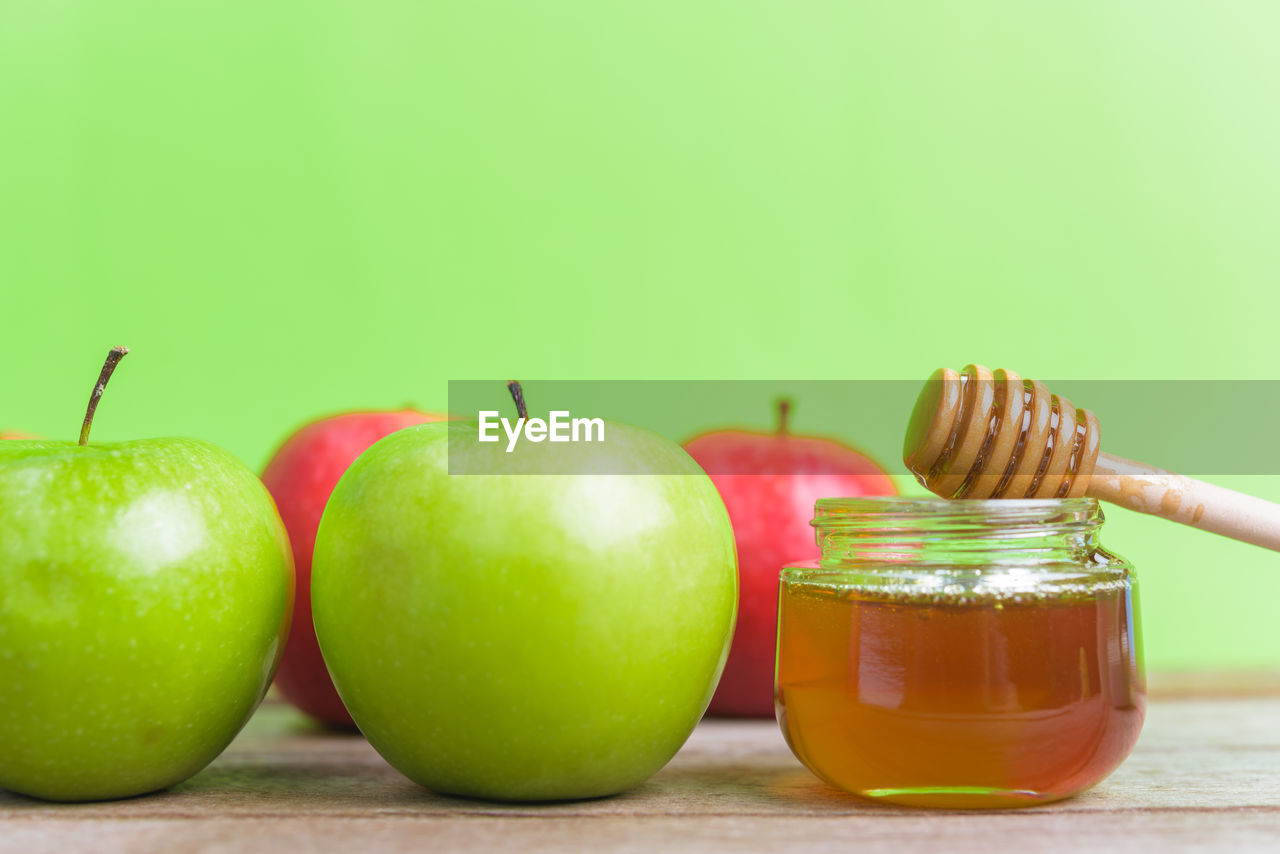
point(145, 589)
point(524, 636)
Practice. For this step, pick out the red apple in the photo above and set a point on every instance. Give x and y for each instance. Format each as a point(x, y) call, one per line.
point(769, 482)
point(301, 476)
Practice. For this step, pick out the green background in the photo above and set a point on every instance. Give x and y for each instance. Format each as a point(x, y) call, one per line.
point(291, 208)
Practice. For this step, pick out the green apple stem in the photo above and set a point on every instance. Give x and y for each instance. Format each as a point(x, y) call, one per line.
point(517, 394)
point(108, 367)
point(784, 413)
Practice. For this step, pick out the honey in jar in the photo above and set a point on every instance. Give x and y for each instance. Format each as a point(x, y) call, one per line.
point(960, 654)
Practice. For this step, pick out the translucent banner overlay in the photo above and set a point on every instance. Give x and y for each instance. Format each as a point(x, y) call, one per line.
point(1200, 428)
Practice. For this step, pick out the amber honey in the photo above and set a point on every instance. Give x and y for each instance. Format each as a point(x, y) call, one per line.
point(960, 654)
point(968, 700)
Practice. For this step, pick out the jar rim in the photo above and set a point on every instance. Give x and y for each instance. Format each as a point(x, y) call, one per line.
point(926, 503)
point(911, 511)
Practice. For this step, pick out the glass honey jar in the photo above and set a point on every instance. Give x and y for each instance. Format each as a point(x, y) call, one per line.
point(960, 654)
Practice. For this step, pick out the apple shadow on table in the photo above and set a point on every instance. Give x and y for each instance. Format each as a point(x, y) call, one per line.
point(362, 784)
point(301, 726)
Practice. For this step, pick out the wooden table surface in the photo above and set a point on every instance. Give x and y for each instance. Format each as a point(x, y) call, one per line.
point(1205, 775)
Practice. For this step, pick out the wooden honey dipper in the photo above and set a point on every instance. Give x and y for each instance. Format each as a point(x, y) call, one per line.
point(984, 434)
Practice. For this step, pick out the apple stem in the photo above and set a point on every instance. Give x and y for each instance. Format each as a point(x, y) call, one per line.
point(784, 413)
point(517, 394)
point(113, 359)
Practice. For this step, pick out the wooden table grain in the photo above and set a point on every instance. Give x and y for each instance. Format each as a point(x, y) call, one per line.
point(1204, 776)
